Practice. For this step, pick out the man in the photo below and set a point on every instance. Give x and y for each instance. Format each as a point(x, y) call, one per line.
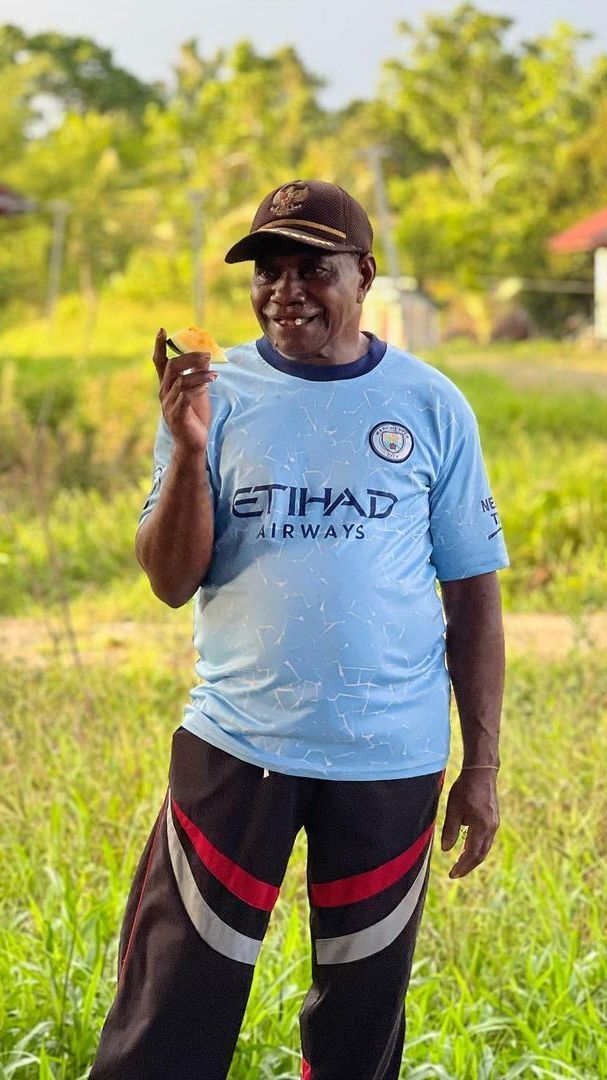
point(310, 499)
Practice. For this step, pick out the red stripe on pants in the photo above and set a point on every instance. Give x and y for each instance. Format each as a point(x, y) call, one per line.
point(257, 893)
point(361, 886)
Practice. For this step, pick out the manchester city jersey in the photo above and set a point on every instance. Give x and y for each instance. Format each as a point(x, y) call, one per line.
point(342, 495)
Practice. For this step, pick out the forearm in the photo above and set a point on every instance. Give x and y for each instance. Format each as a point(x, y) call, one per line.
point(475, 660)
point(174, 545)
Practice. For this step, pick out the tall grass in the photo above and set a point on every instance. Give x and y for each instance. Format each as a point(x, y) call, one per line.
point(510, 973)
point(83, 433)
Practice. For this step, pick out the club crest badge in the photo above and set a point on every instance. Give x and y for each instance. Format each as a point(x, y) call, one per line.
point(288, 200)
point(391, 441)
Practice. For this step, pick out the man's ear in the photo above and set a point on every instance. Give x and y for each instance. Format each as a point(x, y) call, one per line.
point(367, 269)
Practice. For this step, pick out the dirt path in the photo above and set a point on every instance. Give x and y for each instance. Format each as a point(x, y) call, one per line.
point(36, 643)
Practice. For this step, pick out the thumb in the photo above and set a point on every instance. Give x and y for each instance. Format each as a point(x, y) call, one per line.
point(451, 825)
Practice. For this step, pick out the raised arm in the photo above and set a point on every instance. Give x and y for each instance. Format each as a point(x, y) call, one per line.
point(174, 545)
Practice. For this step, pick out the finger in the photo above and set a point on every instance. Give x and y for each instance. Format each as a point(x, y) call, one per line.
point(190, 397)
point(168, 394)
point(198, 360)
point(160, 357)
point(192, 393)
point(190, 362)
point(186, 401)
point(451, 826)
point(193, 377)
point(476, 848)
point(171, 387)
point(192, 386)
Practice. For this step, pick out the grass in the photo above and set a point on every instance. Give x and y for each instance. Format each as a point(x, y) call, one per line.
point(543, 353)
point(77, 436)
point(510, 974)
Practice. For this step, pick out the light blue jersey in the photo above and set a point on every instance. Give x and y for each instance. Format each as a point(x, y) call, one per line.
point(341, 495)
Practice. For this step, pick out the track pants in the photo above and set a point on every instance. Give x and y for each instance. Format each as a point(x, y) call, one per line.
point(201, 900)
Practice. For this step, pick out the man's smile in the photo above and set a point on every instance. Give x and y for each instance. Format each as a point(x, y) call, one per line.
point(292, 322)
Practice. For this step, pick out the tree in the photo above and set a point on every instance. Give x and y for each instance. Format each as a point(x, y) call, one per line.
point(450, 96)
point(92, 162)
point(495, 121)
point(234, 126)
point(81, 75)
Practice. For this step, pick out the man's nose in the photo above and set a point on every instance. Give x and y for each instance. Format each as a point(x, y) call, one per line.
point(288, 287)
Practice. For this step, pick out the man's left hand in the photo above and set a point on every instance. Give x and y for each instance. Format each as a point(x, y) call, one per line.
point(472, 802)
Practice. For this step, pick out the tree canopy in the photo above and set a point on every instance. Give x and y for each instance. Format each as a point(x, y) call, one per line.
point(487, 150)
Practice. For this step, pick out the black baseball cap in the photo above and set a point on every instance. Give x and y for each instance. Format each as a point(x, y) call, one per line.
point(312, 212)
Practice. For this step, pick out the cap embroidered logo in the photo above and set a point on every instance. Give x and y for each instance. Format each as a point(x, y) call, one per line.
point(288, 200)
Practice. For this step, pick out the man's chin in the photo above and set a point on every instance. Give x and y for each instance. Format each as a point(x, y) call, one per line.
point(294, 346)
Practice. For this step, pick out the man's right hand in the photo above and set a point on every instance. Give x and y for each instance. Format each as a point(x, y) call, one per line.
point(186, 405)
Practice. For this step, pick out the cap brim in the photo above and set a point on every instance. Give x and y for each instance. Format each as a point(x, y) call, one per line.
point(250, 246)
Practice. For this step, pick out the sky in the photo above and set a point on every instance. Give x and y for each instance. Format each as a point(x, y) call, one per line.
point(343, 41)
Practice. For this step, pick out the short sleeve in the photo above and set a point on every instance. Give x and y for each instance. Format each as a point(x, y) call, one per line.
point(163, 448)
point(465, 527)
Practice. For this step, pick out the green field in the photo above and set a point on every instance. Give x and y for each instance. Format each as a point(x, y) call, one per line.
point(76, 431)
point(510, 976)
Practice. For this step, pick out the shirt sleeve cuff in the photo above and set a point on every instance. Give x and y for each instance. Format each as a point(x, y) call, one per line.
point(471, 570)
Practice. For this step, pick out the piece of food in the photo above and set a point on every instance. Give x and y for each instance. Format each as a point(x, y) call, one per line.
point(193, 339)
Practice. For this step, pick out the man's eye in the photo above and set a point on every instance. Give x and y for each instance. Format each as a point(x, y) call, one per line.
point(268, 273)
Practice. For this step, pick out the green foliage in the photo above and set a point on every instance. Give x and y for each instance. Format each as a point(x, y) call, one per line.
point(451, 93)
point(546, 459)
point(88, 541)
point(580, 186)
point(505, 413)
point(498, 123)
point(85, 766)
point(75, 72)
point(76, 435)
point(488, 149)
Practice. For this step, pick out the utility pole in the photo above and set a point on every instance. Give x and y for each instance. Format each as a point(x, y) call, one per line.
point(600, 293)
point(374, 155)
point(60, 209)
point(197, 200)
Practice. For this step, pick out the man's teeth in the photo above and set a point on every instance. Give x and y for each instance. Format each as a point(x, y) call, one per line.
point(292, 322)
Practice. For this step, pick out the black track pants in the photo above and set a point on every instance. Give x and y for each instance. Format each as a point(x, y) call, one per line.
point(201, 901)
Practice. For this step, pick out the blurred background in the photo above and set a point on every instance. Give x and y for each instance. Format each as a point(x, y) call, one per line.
point(135, 146)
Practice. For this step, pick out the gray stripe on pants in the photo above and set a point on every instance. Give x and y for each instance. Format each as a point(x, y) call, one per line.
point(221, 937)
point(348, 947)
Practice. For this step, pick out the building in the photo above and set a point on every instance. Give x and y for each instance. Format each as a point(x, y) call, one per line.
point(590, 234)
point(397, 312)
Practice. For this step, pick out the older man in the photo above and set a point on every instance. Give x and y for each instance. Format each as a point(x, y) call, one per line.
point(310, 499)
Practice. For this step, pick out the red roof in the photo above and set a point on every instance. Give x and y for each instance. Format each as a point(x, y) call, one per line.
point(587, 235)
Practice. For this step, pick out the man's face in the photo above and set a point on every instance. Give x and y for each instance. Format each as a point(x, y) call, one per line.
point(308, 303)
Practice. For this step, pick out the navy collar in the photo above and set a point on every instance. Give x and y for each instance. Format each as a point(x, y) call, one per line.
point(322, 372)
